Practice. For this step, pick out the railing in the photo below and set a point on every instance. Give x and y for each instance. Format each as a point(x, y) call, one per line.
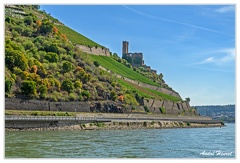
point(50, 118)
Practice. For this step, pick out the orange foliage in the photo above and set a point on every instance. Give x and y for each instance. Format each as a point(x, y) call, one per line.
point(78, 68)
point(64, 36)
point(34, 69)
point(121, 98)
point(55, 30)
point(39, 23)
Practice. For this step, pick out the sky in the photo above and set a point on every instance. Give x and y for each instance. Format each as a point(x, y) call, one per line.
point(192, 45)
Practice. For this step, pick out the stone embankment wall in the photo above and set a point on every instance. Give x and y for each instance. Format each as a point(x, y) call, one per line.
point(25, 104)
point(94, 50)
point(170, 106)
point(39, 126)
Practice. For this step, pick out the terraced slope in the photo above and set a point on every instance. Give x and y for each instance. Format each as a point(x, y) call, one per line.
point(118, 68)
point(76, 37)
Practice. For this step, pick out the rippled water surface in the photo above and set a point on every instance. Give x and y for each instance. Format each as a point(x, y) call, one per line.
point(144, 143)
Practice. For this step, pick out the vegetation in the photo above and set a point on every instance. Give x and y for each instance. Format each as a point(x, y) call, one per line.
point(42, 62)
point(162, 110)
point(77, 38)
point(118, 68)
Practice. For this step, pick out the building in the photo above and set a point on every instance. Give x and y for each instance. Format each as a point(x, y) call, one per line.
point(135, 59)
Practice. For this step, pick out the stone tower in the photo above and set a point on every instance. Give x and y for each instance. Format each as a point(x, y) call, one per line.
point(125, 48)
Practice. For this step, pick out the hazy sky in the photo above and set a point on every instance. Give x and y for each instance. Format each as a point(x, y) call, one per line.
point(192, 45)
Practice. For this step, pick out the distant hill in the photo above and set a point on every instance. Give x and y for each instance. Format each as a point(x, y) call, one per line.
point(219, 112)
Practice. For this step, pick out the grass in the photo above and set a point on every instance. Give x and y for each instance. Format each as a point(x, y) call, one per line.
point(118, 68)
point(76, 37)
point(146, 92)
point(39, 113)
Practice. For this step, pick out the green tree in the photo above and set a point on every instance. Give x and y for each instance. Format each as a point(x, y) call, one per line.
point(113, 95)
point(188, 99)
point(67, 66)
point(8, 86)
point(67, 85)
point(28, 87)
point(15, 58)
point(43, 91)
point(96, 63)
point(28, 20)
point(78, 84)
point(51, 57)
point(46, 27)
point(85, 94)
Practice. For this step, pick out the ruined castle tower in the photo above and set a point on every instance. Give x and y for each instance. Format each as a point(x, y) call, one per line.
point(124, 48)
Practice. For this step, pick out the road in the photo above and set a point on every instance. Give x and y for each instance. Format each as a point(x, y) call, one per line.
point(105, 119)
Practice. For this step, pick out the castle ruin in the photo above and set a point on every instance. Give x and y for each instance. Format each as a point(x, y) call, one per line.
point(135, 59)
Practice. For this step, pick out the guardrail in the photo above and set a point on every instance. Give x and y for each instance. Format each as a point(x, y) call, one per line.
point(50, 118)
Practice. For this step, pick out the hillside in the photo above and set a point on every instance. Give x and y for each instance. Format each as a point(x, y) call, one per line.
point(42, 62)
point(218, 112)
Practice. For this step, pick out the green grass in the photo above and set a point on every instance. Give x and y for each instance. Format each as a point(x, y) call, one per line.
point(39, 113)
point(146, 92)
point(76, 37)
point(118, 68)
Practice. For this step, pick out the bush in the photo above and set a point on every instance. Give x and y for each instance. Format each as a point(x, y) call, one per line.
point(96, 63)
point(28, 87)
point(8, 86)
point(51, 57)
point(67, 85)
point(28, 20)
point(162, 110)
point(85, 94)
point(67, 66)
point(146, 109)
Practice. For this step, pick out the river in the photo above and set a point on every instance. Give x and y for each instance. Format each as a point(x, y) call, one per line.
point(143, 143)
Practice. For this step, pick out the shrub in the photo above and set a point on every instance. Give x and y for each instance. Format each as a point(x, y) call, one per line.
point(188, 124)
point(51, 57)
point(85, 94)
point(28, 87)
point(8, 86)
point(146, 109)
point(67, 66)
point(113, 95)
point(78, 84)
point(162, 110)
point(67, 85)
point(96, 63)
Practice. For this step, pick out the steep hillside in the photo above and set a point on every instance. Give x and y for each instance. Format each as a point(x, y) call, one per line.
point(42, 62)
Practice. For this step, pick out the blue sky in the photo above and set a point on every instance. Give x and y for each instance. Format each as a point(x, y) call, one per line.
point(192, 45)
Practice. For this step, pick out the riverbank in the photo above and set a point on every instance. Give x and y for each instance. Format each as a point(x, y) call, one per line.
point(120, 126)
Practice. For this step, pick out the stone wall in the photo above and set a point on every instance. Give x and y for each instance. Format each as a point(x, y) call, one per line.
point(94, 50)
point(25, 104)
point(170, 106)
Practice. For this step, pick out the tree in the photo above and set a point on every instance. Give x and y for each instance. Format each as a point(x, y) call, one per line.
point(28, 20)
point(46, 27)
point(43, 91)
point(67, 85)
point(15, 58)
point(28, 87)
point(51, 57)
point(8, 86)
point(67, 66)
point(188, 99)
point(85, 94)
point(78, 84)
point(96, 63)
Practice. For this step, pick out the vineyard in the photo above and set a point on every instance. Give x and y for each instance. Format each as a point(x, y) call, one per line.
point(118, 68)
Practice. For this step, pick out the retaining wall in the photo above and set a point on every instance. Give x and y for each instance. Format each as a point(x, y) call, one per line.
point(94, 50)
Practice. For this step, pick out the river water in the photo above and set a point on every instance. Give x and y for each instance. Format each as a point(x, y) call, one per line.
point(143, 143)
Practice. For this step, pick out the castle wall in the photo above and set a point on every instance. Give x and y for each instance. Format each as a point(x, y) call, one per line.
point(94, 50)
